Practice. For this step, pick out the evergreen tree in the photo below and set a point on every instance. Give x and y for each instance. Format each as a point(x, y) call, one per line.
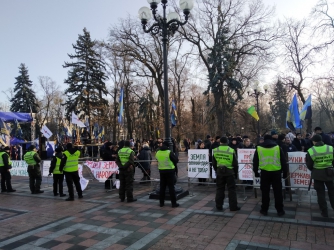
point(86, 79)
point(280, 100)
point(24, 99)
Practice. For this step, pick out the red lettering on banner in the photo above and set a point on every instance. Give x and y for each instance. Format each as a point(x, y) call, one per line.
point(304, 182)
point(246, 156)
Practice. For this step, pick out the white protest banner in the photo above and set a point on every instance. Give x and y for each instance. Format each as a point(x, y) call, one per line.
point(299, 174)
point(83, 182)
point(245, 162)
point(19, 168)
point(46, 132)
point(102, 169)
point(45, 167)
point(76, 120)
point(198, 163)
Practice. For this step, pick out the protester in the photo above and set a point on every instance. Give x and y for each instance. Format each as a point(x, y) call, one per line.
point(319, 160)
point(325, 138)
point(145, 158)
point(125, 163)
point(70, 166)
point(225, 164)
point(201, 145)
point(5, 166)
point(270, 159)
point(58, 176)
point(299, 142)
point(34, 170)
point(167, 164)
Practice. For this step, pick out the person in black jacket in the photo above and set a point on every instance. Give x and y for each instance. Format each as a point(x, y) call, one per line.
point(58, 177)
point(325, 138)
point(168, 173)
point(145, 159)
point(269, 175)
point(299, 142)
point(5, 166)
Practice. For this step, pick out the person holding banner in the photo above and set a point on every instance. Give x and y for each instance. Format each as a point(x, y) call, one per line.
point(269, 157)
point(34, 170)
point(69, 164)
point(125, 163)
point(319, 160)
point(58, 177)
point(5, 166)
point(225, 163)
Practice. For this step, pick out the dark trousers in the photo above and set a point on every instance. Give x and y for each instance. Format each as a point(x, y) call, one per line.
point(6, 177)
point(221, 182)
point(73, 177)
point(126, 184)
point(319, 186)
point(167, 180)
point(58, 180)
point(35, 178)
point(274, 179)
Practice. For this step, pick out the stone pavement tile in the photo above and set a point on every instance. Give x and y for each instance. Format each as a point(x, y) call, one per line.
point(116, 247)
point(77, 220)
point(43, 233)
point(244, 237)
point(64, 238)
point(161, 220)
point(195, 230)
point(321, 247)
point(88, 234)
point(215, 246)
point(62, 246)
point(167, 226)
point(230, 229)
point(301, 245)
point(261, 239)
point(145, 230)
point(279, 242)
point(180, 229)
point(109, 224)
point(127, 216)
point(88, 243)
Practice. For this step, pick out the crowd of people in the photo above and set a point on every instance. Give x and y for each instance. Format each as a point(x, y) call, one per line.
point(269, 164)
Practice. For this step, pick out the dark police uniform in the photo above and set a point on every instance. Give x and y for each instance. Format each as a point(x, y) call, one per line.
point(5, 166)
point(270, 158)
point(34, 170)
point(125, 163)
point(225, 164)
point(167, 168)
point(319, 160)
point(70, 166)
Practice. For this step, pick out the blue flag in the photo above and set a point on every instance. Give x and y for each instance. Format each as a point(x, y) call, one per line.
point(306, 112)
point(120, 113)
point(292, 117)
point(96, 130)
point(173, 115)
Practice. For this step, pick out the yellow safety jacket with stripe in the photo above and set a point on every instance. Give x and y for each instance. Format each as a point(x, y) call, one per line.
point(269, 158)
point(56, 169)
point(72, 161)
point(2, 164)
point(29, 158)
point(322, 156)
point(224, 156)
point(164, 162)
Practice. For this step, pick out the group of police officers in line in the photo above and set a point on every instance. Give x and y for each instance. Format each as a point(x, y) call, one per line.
point(268, 157)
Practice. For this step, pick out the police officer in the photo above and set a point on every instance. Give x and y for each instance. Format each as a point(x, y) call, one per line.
point(319, 160)
point(225, 164)
point(270, 158)
point(125, 163)
point(58, 177)
point(5, 166)
point(69, 165)
point(34, 170)
point(168, 171)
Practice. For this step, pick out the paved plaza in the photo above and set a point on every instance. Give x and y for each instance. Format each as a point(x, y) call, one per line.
point(101, 221)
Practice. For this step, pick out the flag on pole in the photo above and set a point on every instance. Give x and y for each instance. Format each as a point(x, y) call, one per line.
point(3, 126)
point(253, 113)
point(306, 112)
point(120, 113)
point(173, 115)
point(46, 132)
point(96, 130)
point(292, 117)
point(75, 120)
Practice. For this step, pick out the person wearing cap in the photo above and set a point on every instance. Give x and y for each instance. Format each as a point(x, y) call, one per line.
point(58, 176)
point(167, 164)
point(125, 162)
point(325, 138)
point(320, 160)
point(34, 170)
point(270, 159)
point(69, 165)
point(5, 166)
point(207, 142)
point(299, 142)
point(274, 135)
point(224, 162)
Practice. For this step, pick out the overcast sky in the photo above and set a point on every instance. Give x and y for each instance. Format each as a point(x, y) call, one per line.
point(40, 33)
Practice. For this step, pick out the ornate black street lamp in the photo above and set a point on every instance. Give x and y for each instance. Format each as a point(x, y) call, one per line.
point(258, 92)
point(165, 26)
